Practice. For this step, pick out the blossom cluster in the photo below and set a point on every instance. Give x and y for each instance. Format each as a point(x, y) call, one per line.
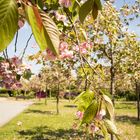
point(83, 47)
point(10, 72)
point(92, 127)
point(65, 3)
point(66, 53)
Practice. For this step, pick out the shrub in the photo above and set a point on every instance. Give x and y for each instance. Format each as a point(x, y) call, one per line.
point(131, 96)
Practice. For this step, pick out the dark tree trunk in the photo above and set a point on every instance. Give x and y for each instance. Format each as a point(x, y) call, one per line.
point(46, 96)
point(112, 81)
point(50, 93)
point(69, 92)
point(112, 84)
point(57, 100)
point(138, 99)
point(86, 82)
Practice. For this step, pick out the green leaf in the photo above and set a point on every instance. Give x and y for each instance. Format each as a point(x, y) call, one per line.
point(8, 22)
point(109, 106)
point(99, 4)
point(74, 6)
point(1, 59)
point(44, 29)
point(40, 3)
point(111, 128)
point(90, 112)
point(84, 99)
point(84, 35)
point(27, 74)
point(95, 11)
point(104, 130)
point(85, 9)
point(51, 33)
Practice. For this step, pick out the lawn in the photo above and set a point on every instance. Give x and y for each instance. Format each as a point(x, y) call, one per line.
point(40, 122)
point(126, 118)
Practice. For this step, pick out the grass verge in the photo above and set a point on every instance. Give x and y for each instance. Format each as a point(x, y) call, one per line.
point(40, 122)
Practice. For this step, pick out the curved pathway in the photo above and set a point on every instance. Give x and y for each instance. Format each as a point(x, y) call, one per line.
point(11, 108)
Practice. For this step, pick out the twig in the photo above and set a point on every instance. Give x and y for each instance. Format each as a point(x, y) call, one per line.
point(6, 52)
point(78, 43)
point(26, 45)
point(16, 41)
point(4, 55)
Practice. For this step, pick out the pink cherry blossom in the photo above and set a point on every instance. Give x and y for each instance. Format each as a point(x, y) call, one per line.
point(83, 51)
point(79, 114)
point(9, 72)
point(63, 46)
point(20, 23)
point(66, 54)
point(83, 47)
point(60, 17)
point(76, 48)
point(50, 54)
point(101, 114)
point(65, 3)
point(16, 61)
point(93, 128)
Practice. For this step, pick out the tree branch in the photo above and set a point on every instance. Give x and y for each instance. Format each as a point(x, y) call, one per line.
point(26, 45)
point(16, 41)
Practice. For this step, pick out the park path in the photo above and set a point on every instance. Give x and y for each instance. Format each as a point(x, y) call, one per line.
point(11, 108)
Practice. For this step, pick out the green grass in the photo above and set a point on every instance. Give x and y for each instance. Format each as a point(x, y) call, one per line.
point(40, 122)
point(126, 118)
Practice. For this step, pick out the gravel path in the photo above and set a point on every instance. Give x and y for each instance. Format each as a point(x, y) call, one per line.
point(10, 108)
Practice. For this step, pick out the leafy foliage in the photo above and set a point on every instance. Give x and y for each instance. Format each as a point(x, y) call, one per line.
point(109, 106)
point(84, 99)
point(8, 22)
point(87, 7)
point(111, 128)
point(90, 112)
point(46, 33)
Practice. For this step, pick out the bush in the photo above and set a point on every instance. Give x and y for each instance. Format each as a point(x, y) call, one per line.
point(128, 95)
point(3, 90)
point(7, 91)
point(121, 94)
point(131, 96)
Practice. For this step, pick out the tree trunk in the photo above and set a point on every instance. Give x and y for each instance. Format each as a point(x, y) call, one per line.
point(112, 81)
point(112, 84)
point(86, 82)
point(50, 93)
point(138, 99)
point(46, 96)
point(69, 92)
point(57, 100)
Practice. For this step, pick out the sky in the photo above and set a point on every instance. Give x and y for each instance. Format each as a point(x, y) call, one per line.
point(25, 32)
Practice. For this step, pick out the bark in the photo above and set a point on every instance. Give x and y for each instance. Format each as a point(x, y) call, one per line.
point(46, 96)
point(112, 80)
point(138, 99)
point(57, 100)
point(50, 93)
point(86, 83)
point(112, 84)
point(69, 92)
